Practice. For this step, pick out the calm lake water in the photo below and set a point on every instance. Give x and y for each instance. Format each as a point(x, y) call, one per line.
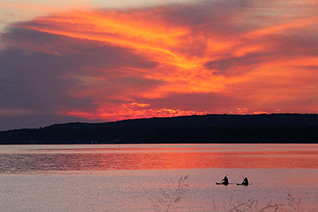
point(145, 177)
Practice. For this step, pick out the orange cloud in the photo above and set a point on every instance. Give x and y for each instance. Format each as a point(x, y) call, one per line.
point(132, 110)
point(181, 59)
point(156, 40)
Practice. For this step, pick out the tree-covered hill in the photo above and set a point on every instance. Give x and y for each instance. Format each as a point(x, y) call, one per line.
point(273, 128)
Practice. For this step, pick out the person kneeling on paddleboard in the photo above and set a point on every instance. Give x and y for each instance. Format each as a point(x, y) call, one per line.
point(245, 181)
point(225, 181)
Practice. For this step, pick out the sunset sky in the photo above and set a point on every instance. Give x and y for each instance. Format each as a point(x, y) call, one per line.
point(95, 61)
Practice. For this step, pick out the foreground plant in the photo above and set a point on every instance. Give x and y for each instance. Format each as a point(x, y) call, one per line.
point(174, 192)
point(171, 195)
point(293, 204)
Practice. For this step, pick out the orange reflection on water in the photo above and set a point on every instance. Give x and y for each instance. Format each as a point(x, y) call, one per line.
point(142, 157)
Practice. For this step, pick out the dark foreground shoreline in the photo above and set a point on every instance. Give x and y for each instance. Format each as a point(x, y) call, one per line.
point(272, 128)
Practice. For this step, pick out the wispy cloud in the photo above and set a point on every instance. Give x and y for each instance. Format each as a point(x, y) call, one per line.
point(15, 112)
point(179, 59)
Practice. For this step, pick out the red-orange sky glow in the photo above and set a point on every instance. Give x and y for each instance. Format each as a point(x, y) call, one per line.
point(240, 57)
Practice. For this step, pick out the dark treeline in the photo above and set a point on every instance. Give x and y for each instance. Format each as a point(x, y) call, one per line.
point(273, 128)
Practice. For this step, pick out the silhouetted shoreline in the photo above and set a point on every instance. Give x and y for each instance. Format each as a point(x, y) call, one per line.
point(272, 128)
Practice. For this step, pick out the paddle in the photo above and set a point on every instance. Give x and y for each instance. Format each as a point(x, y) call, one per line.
point(241, 183)
point(220, 183)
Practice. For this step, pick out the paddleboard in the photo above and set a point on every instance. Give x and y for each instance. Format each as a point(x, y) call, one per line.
point(220, 184)
point(241, 184)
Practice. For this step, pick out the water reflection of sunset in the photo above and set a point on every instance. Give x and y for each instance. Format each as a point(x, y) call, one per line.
point(159, 157)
